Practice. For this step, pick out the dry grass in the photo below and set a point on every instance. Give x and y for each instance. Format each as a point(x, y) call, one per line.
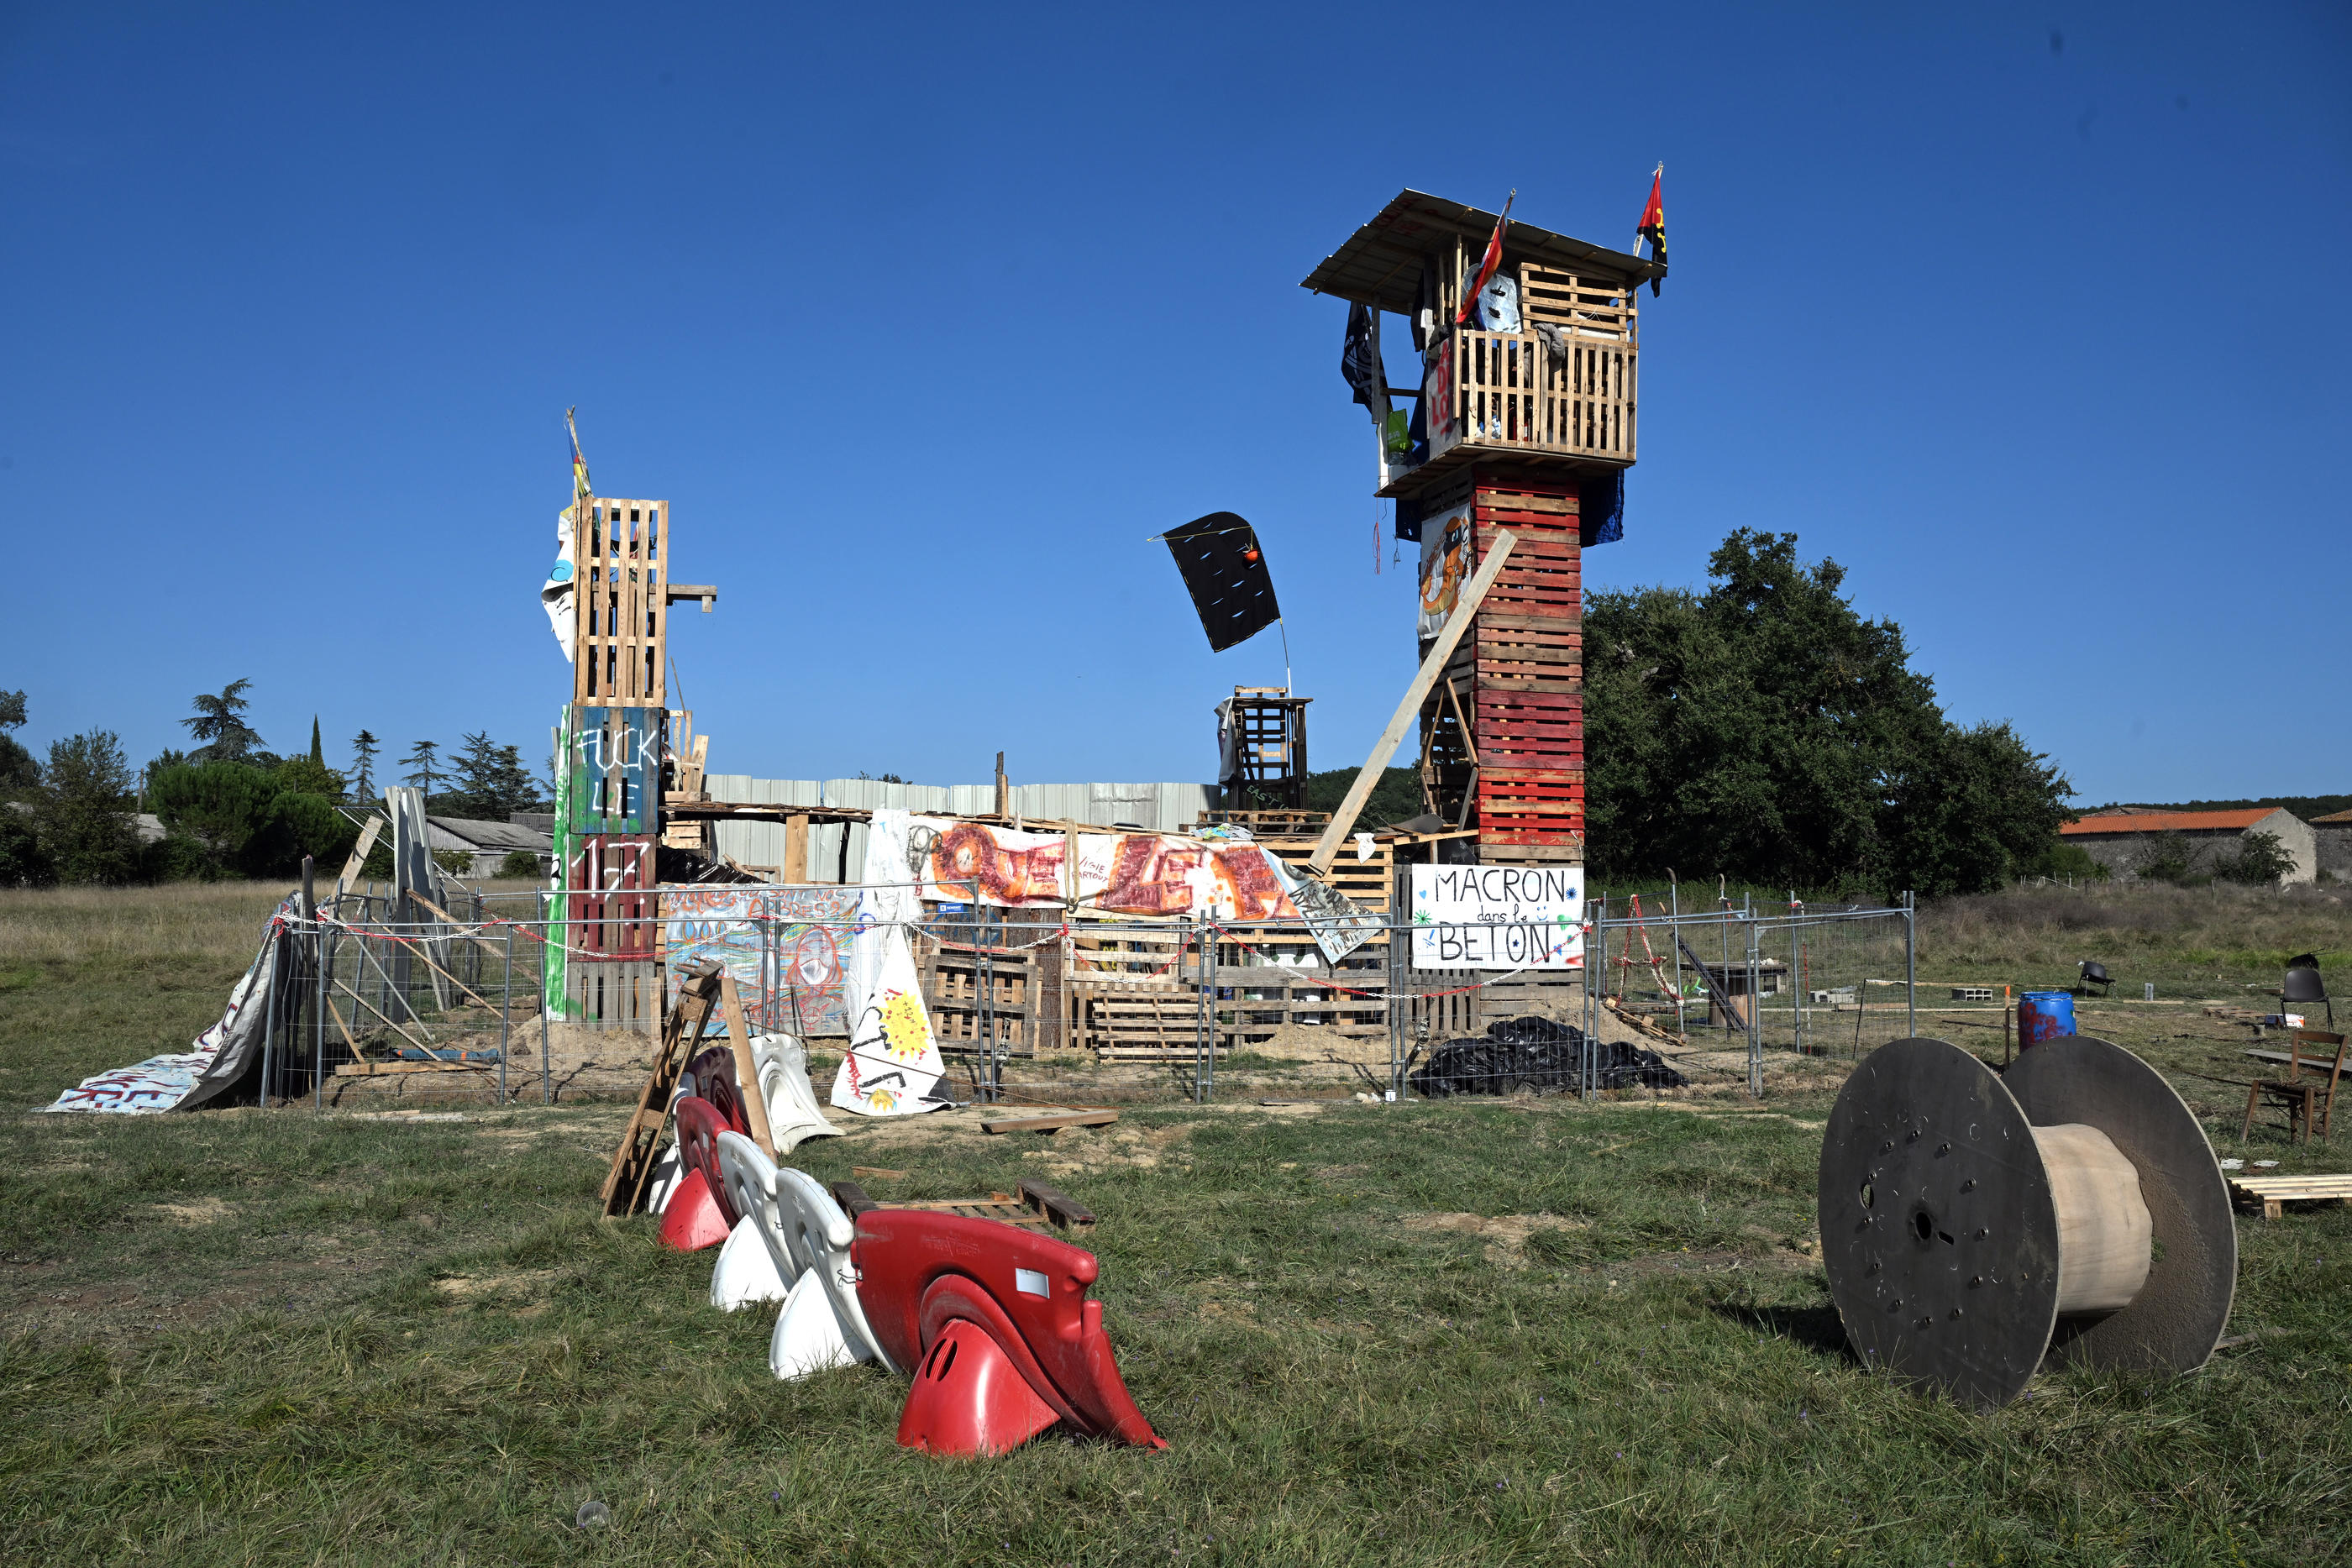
point(2190, 942)
point(207, 922)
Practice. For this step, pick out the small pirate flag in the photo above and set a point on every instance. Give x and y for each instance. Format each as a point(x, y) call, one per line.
point(1653, 226)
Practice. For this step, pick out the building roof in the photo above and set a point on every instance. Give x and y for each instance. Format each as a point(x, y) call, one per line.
point(471, 832)
point(2333, 818)
point(2169, 822)
point(1381, 264)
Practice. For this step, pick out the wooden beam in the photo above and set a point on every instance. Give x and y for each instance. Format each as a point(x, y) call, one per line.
point(352, 867)
point(796, 846)
point(747, 1071)
point(1440, 653)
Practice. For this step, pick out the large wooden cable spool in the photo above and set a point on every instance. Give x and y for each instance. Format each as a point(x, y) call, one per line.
point(1975, 1225)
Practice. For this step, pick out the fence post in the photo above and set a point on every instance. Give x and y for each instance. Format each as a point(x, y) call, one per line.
point(1910, 966)
point(547, 931)
point(1188, 931)
point(1754, 1012)
point(277, 978)
point(506, 1010)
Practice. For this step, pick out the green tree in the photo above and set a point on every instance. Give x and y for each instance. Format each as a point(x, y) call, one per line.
point(1767, 730)
point(2261, 860)
point(2168, 857)
point(364, 749)
point(1395, 799)
point(216, 807)
point(82, 815)
point(491, 782)
point(219, 725)
point(422, 773)
point(19, 770)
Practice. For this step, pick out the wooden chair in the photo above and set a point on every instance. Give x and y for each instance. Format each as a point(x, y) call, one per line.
point(2303, 1098)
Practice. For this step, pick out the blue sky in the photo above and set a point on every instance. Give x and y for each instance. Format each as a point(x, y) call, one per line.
point(925, 319)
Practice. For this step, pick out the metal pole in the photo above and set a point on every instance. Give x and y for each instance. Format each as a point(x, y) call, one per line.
point(269, 1013)
point(1754, 1014)
point(505, 1014)
point(1911, 964)
point(1675, 893)
point(546, 1077)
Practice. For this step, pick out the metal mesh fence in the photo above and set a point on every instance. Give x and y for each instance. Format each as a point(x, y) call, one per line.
point(503, 1002)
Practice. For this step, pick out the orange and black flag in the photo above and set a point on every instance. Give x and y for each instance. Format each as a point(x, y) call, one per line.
point(1653, 226)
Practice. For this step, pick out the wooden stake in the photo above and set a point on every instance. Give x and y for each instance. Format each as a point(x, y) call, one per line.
point(1440, 653)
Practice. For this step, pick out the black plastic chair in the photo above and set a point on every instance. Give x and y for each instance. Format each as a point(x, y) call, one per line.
point(2303, 984)
point(2094, 974)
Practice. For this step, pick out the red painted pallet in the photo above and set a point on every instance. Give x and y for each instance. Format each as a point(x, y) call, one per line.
point(613, 887)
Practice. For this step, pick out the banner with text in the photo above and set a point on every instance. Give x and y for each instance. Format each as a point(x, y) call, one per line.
point(1498, 917)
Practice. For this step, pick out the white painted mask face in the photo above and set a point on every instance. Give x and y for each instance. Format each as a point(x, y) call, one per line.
point(1498, 305)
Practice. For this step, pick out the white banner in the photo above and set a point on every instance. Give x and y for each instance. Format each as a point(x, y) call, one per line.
point(1498, 917)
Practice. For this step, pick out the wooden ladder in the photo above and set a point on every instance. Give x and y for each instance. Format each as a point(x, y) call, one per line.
point(681, 1033)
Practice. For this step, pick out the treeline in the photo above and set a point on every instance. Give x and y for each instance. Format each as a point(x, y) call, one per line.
point(229, 806)
point(1766, 731)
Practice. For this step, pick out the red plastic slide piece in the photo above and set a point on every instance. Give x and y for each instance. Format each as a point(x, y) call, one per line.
point(968, 1400)
point(699, 1126)
point(1036, 1286)
point(713, 1072)
point(692, 1220)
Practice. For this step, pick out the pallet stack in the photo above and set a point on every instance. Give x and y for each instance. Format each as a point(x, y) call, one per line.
point(613, 736)
point(1516, 680)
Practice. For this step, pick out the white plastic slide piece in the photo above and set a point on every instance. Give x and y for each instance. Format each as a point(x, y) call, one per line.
point(745, 1273)
point(818, 1235)
point(808, 1333)
point(794, 1115)
point(669, 1169)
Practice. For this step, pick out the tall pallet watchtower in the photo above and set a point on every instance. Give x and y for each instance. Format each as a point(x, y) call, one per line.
point(1525, 425)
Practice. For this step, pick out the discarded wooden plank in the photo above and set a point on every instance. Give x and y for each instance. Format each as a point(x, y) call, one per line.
point(391, 1069)
point(878, 1171)
point(1047, 1118)
point(852, 1198)
point(1057, 1206)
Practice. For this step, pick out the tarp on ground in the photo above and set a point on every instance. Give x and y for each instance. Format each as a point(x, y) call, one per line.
point(220, 1060)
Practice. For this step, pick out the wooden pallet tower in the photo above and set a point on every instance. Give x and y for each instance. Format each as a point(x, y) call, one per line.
point(1526, 426)
point(614, 737)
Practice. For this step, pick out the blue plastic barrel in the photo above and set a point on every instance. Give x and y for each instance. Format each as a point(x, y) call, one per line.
point(2044, 1015)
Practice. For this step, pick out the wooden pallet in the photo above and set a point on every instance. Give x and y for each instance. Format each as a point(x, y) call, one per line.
point(2273, 1191)
point(621, 551)
point(681, 1034)
point(1037, 1207)
point(1048, 1118)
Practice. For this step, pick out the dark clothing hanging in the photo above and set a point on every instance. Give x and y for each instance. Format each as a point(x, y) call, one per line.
point(1359, 362)
point(1600, 506)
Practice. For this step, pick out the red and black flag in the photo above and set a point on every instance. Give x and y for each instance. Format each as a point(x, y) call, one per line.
point(1653, 226)
point(1488, 262)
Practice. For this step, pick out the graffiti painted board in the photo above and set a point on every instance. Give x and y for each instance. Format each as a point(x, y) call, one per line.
point(1498, 917)
point(1118, 873)
point(802, 996)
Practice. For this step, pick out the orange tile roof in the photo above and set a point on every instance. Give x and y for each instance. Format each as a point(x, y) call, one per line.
point(2167, 821)
point(2333, 816)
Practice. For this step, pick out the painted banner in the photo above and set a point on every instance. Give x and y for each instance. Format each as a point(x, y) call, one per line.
point(1445, 567)
point(1118, 873)
point(802, 996)
point(1339, 925)
point(893, 1066)
point(1498, 917)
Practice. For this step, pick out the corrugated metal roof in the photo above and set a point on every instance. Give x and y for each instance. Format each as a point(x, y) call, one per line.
point(2167, 821)
point(471, 832)
point(1381, 264)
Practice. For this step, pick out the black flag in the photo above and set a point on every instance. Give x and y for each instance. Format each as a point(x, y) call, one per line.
point(1224, 572)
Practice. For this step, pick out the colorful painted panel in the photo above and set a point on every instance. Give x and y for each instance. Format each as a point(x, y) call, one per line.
point(802, 954)
point(1122, 873)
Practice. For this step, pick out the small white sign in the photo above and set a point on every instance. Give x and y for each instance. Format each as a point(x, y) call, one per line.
point(1498, 917)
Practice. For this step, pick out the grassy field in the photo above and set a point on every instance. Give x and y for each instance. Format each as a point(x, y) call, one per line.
point(1518, 1332)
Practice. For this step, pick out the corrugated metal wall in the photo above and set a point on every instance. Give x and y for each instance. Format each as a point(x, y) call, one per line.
point(1158, 807)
